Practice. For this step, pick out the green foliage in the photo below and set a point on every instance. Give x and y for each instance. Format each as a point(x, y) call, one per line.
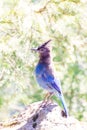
point(1, 101)
point(25, 24)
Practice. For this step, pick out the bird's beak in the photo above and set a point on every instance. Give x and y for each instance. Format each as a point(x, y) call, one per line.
point(34, 49)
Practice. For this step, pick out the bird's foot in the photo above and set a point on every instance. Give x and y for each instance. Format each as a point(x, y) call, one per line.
point(46, 103)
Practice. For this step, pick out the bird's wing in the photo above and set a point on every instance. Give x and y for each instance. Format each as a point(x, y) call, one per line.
point(51, 81)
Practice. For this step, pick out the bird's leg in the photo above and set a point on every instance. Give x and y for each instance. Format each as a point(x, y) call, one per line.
point(49, 96)
point(47, 99)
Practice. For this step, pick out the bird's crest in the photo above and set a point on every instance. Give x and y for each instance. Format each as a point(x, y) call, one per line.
point(44, 45)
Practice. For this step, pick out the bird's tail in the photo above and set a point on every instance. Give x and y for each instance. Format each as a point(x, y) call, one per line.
point(63, 104)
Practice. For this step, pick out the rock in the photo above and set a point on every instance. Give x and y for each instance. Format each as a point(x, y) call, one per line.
point(38, 117)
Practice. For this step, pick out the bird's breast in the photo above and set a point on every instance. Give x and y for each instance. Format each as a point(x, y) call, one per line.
point(39, 68)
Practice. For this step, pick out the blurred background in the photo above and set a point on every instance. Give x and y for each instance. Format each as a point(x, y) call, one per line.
point(25, 24)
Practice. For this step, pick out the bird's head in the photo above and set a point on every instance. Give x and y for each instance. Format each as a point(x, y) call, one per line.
point(44, 49)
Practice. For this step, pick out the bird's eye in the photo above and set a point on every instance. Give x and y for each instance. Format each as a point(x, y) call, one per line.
point(42, 49)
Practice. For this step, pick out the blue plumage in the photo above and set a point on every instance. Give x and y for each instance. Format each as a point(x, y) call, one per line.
point(46, 79)
point(45, 75)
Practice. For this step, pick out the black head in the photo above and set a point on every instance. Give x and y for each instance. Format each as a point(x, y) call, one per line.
point(44, 53)
point(43, 49)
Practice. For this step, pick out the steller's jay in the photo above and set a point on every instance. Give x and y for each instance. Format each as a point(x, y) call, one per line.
point(45, 75)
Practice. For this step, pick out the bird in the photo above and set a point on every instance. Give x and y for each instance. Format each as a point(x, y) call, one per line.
point(45, 75)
